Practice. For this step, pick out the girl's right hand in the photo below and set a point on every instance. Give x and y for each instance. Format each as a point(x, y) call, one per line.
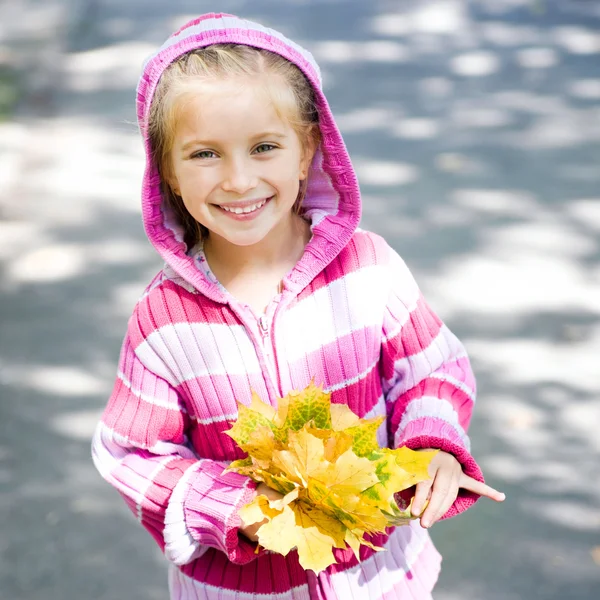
point(251, 530)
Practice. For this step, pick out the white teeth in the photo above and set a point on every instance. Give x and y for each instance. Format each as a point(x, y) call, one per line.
point(243, 211)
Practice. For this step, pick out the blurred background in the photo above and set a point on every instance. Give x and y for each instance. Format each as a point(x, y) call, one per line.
point(474, 127)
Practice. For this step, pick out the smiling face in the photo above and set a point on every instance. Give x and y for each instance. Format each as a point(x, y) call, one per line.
point(235, 162)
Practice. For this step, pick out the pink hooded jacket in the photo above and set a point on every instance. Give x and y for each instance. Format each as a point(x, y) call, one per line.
point(350, 316)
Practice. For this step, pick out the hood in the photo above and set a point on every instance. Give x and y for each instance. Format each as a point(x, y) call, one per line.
point(332, 201)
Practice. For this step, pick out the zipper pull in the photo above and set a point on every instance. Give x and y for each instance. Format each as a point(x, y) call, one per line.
point(264, 325)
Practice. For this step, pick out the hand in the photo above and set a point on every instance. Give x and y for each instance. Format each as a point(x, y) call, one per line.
point(442, 489)
point(271, 494)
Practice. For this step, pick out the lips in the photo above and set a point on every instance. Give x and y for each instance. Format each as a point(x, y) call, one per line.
point(246, 210)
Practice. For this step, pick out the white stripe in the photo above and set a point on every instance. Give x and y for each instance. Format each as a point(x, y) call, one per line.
point(121, 446)
point(149, 399)
point(380, 572)
point(457, 383)
point(401, 321)
point(180, 546)
point(198, 350)
point(430, 407)
point(216, 419)
point(349, 304)
point(208, 25)
point(182, 587)
point(171, 275)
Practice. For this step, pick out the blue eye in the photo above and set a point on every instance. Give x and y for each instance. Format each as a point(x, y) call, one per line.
point(262, 148)
point(204, 154)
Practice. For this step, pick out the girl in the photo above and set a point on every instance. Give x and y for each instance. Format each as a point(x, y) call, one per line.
point(251, 199)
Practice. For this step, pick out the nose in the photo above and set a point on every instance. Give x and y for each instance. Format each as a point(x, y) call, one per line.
point(239, 177)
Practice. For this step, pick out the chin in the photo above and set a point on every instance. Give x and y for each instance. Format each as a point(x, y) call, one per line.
point(249, 239)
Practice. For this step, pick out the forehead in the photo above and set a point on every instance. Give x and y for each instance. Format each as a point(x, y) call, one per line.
point(232, 106)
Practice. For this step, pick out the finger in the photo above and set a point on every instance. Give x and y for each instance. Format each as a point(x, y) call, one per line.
point(442, 487)
point(468, 483)
point(422, 493)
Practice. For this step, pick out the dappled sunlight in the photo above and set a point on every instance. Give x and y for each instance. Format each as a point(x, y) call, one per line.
point(475, 64)
point(382, 173)
point(116, 66)
point(435, 17)
point(570, 514)
point(513, 277)
point(474, 129)
point(85, 157)
point(352, 52)
point(78, 425)
point(468, 114)
point(50, 263)
point(537, 58)
point(508, 35)
point(59, 380)
point(577, 40)
point(367, 119)
point(586, 89)
point(416, 129)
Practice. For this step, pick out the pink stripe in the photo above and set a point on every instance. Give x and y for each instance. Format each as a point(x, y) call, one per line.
point(406, 372)
point(170, 304)
point(267, 574)
point(460, 401)
point(363, 250)
point(215, 396)
point(210, 442)
point(417, 333)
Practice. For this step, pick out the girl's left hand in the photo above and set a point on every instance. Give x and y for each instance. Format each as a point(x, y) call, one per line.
point(442, 489)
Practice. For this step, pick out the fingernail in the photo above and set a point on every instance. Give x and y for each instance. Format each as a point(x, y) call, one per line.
point(426, 524)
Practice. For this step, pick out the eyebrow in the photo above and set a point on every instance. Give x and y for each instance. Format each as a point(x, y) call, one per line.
point(209, 143)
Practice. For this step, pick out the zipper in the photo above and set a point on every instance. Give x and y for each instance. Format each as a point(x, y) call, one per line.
point(269, 351)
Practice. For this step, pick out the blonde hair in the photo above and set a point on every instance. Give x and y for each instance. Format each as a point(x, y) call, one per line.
point(293, 101)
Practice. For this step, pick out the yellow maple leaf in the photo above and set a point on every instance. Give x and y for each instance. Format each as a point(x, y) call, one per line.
point(336, 444)
point(391, 478)
point(258, 510)
point(308, 450)
point(342, 417)
point(348, 475)
point(294, 529)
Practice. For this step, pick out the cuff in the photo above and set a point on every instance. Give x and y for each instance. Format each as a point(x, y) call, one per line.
point(203, 513)
point(423, 433)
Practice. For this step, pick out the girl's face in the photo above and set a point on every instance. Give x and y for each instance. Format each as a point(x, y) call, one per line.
point(236, 164)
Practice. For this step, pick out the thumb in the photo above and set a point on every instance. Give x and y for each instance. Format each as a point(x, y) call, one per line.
point(422, 495)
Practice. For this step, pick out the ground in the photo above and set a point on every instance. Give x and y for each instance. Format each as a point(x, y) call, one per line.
point(475, 131)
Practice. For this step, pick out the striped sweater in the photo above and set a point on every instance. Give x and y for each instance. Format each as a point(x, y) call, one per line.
point(349, 316)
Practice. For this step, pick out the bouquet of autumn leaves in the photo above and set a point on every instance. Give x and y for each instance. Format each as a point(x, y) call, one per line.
point(337, 483)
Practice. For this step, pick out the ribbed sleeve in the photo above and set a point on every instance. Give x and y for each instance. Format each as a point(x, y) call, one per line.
point(427, 379)
point(140, 447)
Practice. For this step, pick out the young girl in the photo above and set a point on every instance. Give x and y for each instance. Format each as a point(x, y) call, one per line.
point(251, 199)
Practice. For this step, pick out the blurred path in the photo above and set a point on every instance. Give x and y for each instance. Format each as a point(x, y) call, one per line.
point(475, 130)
